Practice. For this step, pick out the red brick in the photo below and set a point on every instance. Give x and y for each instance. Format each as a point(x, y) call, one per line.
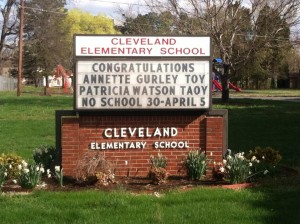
point(202, 131)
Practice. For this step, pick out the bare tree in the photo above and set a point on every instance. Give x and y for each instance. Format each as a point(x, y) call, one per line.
point(44, 45)
point(236, 26)
point(9, 27)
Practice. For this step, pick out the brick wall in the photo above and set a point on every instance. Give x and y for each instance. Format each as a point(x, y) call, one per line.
point(205, 131)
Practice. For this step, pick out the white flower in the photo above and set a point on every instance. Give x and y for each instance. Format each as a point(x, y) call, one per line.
point(19, 167)
point(5, 174)
point(263, 157)
point(229, 157)
point(253, 158)
point(250, 164)
point(240, 156)
point(37, 168)
point(57, 168)
point(203, 162)
point(10, 166)
point(42, 185)
point(265, 172)
point(49, 175)
point(14, 181)
point(42, 170)
point(228, 167)
point(257, 161)
point(156, 194)
point(48, 171)
point(24, 163)
point(26, 170)
point(224, 161)
point(222, 169)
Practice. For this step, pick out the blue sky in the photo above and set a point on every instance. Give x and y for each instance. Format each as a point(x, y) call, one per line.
point(108, 7)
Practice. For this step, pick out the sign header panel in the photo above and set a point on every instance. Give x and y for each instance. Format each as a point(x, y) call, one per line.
point(140, 84)
point(142, 46)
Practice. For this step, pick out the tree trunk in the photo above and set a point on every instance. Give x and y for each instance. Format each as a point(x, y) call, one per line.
point(275, 82)
point(225, 84)
point(46, 89)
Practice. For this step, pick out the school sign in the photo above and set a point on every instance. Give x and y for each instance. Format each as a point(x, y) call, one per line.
point(137, 95)
point(146, 77)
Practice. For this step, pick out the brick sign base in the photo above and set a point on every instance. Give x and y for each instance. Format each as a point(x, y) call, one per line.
point(77, 132)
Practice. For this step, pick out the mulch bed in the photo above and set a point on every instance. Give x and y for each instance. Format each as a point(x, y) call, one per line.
point(137, 185)
point(133, 185)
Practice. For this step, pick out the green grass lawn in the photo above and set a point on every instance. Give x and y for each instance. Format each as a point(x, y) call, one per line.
point(254, 122)
point(27, 122)
point(264, 93)
point(203, 205)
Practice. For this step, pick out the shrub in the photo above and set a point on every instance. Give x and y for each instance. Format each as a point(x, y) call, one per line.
point(104, 178)
point(196, 164)
point(237, 167)
point(30, 175)
point(267, 155)
point(3, 175)
point(268, 159)
point(11, 163)
point(158, 172)
point(94, 167)
point(45, 155)
point(57, 174)
point(158, 161)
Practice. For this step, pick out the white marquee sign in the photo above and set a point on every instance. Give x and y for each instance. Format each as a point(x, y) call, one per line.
point(129, 46)
point(156, 80)
point(142, 84)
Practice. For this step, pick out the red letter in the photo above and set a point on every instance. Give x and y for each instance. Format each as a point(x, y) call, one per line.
point(113, 41)
point(83, 50)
